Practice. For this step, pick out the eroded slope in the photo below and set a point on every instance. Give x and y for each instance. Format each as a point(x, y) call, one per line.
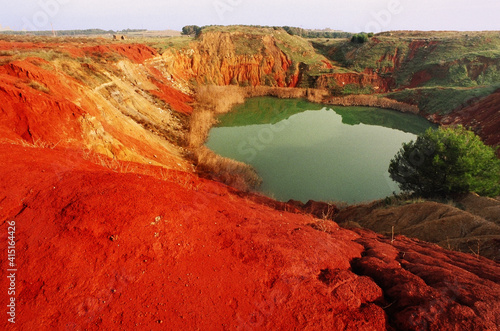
point(162, 249)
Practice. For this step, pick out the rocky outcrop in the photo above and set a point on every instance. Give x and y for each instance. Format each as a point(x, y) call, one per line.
point(423, 285)
point(368, 79)
point(217, 58)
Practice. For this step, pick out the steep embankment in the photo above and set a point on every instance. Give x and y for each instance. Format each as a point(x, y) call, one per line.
point(245, 57)
point(482, 115)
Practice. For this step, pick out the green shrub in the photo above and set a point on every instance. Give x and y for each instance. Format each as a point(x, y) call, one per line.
point(360, 38)
point(445, 162)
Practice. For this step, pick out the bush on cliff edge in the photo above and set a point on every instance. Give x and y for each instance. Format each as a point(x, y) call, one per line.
point(445, 162)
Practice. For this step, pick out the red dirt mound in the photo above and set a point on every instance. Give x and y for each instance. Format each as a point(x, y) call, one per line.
point(428, 288)
point(96, 249)
point(34, 103)
point(482, 115)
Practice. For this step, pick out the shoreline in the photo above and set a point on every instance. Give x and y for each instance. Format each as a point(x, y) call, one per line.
point(215, 100)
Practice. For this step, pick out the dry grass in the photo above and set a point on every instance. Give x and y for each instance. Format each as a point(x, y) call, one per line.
point(39, 86)
point(373, 101)
point(279, 92)
point(109, 163)
point(230, 172)
point(202, 120)
point(329, 213)
point(219, 99)
point(317, 95)
point(211, 100)
point(324, 226)
point(37, 143)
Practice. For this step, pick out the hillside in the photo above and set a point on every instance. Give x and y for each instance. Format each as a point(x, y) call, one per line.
point(470, 225)
point(439, 73)
point(233, 56)
point(116, 229)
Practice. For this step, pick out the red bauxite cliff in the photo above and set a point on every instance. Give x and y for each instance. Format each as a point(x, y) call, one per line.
point(113, 229)
point(215, 59)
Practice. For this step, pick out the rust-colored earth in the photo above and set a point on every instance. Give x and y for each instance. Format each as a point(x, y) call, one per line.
point(98, 249)
point(482, 115)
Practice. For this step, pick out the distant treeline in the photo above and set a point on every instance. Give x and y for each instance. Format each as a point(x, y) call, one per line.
point(87, 32)
point(304, 33)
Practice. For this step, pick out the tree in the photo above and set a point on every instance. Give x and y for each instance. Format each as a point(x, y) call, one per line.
point(359, 38)
point(447, 161)
point(191, 30)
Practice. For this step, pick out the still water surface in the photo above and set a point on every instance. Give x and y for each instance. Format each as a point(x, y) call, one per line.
point(308, 151)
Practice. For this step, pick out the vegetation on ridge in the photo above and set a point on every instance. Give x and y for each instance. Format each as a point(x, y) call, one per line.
point(431, 64)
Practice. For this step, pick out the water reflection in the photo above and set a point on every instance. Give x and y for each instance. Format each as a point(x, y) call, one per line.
point(308, 151)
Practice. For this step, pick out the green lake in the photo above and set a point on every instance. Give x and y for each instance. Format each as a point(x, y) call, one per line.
point(307, 151)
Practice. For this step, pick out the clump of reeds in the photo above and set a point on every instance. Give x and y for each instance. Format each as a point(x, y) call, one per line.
point(230, 172)
point(219, 99)
point(211, 100)
point(202, 120)
point(373, 101)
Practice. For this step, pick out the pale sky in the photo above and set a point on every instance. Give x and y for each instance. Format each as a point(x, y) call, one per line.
point(346, 15)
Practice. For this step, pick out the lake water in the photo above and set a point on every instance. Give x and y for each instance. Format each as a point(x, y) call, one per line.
point(308, 151)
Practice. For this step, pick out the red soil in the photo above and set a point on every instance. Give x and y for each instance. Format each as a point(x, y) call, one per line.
point(126, 250)
point(135, 52)
point(103, 250)
point(30, 113)
point(327, 64)
point(364, 79)
point(176, 99)
point(21, 45)
point(481, 115)
point(416, 45)
point(420, 78)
